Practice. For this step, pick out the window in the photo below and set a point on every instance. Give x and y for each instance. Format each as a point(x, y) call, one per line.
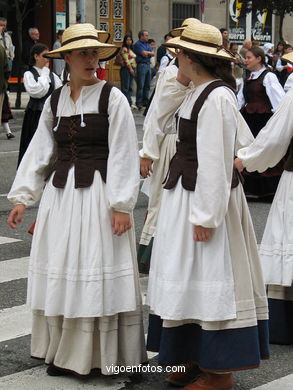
point(181, 11)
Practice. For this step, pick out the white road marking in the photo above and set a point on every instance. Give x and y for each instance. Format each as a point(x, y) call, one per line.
point(13, 269)
point(15, 322)
point(285, 383)
point(8, 240)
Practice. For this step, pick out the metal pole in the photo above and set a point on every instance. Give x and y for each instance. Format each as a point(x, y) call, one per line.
point(80, 10)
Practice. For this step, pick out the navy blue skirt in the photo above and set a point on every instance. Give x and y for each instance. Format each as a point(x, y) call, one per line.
point(216, 350)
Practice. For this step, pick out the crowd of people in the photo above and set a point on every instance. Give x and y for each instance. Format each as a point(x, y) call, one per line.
point(206, 289)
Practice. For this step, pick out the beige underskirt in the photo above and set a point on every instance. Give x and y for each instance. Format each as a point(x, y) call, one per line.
point(82, 344)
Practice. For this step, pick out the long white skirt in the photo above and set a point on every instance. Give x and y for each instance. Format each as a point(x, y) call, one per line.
point(218, 283)
point(78, 268)
point(276, 249)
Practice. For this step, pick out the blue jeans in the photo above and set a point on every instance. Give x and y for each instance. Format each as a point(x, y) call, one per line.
point(126, 79)
point(143, 80)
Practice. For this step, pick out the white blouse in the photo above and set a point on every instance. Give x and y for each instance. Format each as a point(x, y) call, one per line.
point(168, 96)
point(273, 88)
point(272, 141)
point(123, 163)
point(38, 89)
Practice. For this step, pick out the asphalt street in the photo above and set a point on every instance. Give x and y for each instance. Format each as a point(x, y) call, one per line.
point(18, 370)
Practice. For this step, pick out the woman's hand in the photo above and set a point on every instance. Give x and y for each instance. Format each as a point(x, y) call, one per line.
point(132, 72)
point(238, 164)
point(15, 216)
point(146, 167)
point(120, 222)
point(201, 233)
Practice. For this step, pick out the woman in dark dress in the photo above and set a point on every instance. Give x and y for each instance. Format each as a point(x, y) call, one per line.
point(39, 83)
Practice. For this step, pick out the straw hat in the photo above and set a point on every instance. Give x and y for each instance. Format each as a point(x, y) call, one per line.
point(288, 57)
point(83, 36)
point(176, 32)
point(203, 39)
point(103, 36)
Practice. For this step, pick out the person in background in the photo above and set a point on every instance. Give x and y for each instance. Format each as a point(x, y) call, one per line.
point(284, 68)
point(225, 33)
point(162, 50)
point(127, 70)
point(39, 83)
point(246, 46)
point(268, 49)
point(258, 100)
point(6, 42)
point(29, 42)
point(278, 53)
point(152, 44)
point(274, 142)
point(4, 74)
point(143, 53)
point(237, 65)
point(103, 37)
point(58, 64)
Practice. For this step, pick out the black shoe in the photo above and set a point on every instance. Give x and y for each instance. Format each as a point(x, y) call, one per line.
point(56, 371)
point(10, 135)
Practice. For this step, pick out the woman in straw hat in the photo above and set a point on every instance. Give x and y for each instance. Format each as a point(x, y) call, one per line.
point(82, 284)
point(274, 142)
point(159, 144)
point(206, 290)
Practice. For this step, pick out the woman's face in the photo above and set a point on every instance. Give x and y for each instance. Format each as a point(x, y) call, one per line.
point(128, 41)
point(185, 64)
point(83, 63)
point(280, 47)
point(252, 63)
point(40, 60)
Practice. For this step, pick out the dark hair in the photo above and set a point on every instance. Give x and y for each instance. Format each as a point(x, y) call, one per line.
point(287, 46)
point(38, 48)
point(166, 36)
point(217, 67)
point(141, 33)
point(258, 52)
point(124, 44)
point(283, 43)
point(2, 19)
point(151, 41)
point(223, 29)
point(233, 44)
point(59, 32)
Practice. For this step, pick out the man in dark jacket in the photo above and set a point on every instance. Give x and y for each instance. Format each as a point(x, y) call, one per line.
point(33, 37)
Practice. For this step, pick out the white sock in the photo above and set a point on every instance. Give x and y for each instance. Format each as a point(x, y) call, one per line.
point(6, 127)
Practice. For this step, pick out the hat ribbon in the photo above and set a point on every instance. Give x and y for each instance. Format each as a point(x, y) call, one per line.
point(210, 44)
point(79, 38)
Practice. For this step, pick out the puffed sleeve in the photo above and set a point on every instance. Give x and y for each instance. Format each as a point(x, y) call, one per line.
point(58, 82)
point(168, 97)
point(274, 89)
point(32, 171)
point(123, 161)
point(289, 83)
point(216, 133)
point(272, 141)
point(37, 89)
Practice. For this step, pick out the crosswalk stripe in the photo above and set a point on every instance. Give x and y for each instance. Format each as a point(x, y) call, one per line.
point(285, 383)
point(15, 322)
point(13, 269)
point(8, 240)
point(36, 379)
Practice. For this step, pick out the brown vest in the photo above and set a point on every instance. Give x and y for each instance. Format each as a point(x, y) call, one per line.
point(257, 101)
point(288, 166)
point(84, 147)
point(184, 163)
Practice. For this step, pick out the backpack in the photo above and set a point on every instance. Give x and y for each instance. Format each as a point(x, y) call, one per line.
point(119, 59)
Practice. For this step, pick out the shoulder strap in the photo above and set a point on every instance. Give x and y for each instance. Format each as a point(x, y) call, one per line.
point(54, 100)
point(104, 98)
point(262, 75)
point(205, 93)
point(35, 73)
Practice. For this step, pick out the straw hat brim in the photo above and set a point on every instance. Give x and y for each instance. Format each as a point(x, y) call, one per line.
point(288, 57)
point(200, 49)
point(176, 32)
point(106, 50)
